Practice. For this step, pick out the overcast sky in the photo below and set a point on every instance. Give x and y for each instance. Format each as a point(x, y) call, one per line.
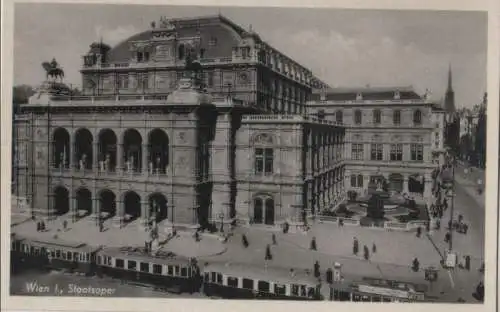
point(346, 48)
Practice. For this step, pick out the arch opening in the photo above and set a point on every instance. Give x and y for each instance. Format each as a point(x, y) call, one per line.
point(396, 182)
point(61, 201)
point(107, 150)
point(132, 203)
point(158, 151)
point(83, 202)
point(132, 150)
point(107, 204)
point(416, 184)
point(61, 148)
point(83, 149)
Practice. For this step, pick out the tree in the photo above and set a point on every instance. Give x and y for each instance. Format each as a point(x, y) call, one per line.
point(375, 208)
point(21, 94)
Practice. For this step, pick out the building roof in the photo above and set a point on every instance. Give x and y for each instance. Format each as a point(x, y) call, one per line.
point(368, 93)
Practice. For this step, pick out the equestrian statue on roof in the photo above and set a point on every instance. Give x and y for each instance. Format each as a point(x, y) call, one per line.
point(53, 70)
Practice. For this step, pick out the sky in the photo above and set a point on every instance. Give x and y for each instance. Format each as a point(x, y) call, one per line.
point(345, 48)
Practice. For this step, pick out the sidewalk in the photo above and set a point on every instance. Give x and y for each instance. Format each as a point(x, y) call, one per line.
point(469, 185)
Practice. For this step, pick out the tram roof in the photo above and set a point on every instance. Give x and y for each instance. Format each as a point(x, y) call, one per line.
point(137, 254)
point(57, 243)
point(271, 273)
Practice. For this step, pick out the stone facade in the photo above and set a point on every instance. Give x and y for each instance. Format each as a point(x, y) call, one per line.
point(390, 134)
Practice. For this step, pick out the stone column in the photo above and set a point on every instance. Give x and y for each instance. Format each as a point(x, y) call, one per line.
point(144, 212)
point(119, 157)
point(95, 157)
point(144, 160)
point(73, 208)
point(405, 184)
point(309, 157)
point(118, 219)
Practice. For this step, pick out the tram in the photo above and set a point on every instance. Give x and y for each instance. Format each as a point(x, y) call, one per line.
point(162, 270)
point(52, 254)
point(378, 290)
point(228, 280)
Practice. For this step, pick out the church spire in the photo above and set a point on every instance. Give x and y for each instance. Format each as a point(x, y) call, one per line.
point(450, 85)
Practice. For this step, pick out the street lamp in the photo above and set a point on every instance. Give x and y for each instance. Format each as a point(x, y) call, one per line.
point(221, 217)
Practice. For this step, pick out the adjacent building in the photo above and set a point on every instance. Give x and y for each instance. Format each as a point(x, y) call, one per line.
point(193, 121)
point(392, 135)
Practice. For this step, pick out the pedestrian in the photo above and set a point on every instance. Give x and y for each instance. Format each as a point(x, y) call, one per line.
point(38, 226)
point(355, 246)
point(316, 269)
point(329, 276)
point(65, 225)
point(415, 265)
point(438, 224)
point(313, 244)
point(450, 225)
point(196, 236)
point(269, 256)
point(460, 218)
point(274, 239)
point(466, 228)
point(366, 253)
point(101, 226)
point(419, 231)
point(244, 240)
point(467, 263)
point(374, 248)
point(286, 227)
point(43, 226)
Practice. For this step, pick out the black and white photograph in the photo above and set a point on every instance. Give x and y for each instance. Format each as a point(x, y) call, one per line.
point(263, 153)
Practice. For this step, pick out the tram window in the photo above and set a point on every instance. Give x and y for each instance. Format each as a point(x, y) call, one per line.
point(386, 299)
point(32, 250)
point(376, 299)
point(120, 263)
point(247, 283)
point(64, 255)
point(144, 267)
point(295, 290)
point(35, 251)
point(184, 272)
point(365, 299)
point(176, 269)
point(98, 259)
point(279, 289)
point(207, 277)
point(232, 281)
point(132, 265)
point(170, 270)
point(87, 257)
point(213, 277)
point(356, 298)
point(52, 253)
point(263, 286)
point(310, 292)
point(75, 256)
point(70, 258)
point(157, 269)
point(302, 290)
point(219, 278)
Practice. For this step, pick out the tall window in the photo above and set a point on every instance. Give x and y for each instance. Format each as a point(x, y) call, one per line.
point(417, 152)
point(210, 79)
point(321, 114)
point(264, 161)
point(339, 117)
point(377, 116)
point(396, 117)
point(357, 152)
point(417, 117)
point(357, 180)
point(357, 117)
point(181, 52)
point(396, 152)
point(377, 151)
point(123, 81)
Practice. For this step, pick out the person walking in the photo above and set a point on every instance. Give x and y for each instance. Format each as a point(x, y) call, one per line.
point(268, 256)
point(244, 241)
point(274, 239)
point(355, 246)
point(374, 248)
point(313, 244)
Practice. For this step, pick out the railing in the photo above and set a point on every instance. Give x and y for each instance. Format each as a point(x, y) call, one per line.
point(284, 117)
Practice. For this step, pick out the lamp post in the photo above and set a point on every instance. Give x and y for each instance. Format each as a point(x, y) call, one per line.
point(221, 217)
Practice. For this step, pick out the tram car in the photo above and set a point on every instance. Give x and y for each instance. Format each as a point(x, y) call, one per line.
point(53, 254)
point(16, 255)
point(163, 270)
point(378, 290)
point(242, 281)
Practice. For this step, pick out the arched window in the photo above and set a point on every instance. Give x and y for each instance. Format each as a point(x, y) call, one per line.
point(357, 117)
point(377, 116)
point(396, 117)
point(417, 117)
point(339, 116)
point(321, 114)
point(181, 52)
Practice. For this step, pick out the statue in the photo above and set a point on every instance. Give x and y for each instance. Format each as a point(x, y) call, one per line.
point(158, 161)
point(132, 163)
point(101, 165)
point(81, 165)
point(61, 162)
point(127, 163)
point(53, 70)
point(108, 162)
point(150, 166)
